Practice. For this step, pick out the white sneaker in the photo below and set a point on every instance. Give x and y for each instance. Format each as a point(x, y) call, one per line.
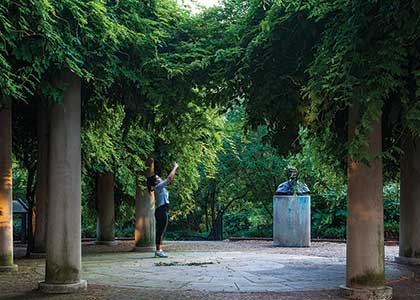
point(160, 254)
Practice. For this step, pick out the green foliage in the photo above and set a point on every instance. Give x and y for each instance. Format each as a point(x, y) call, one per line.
point(223, 92)
point(250, 223)
point(41, 37)
point(102, 139)
point(318, 163)
point(242, 177)
point(329, 214)
point(392, 210)
point(19, 180)
point(124, 219)
point(192, 140)
point(363, 58)
point(308, 60)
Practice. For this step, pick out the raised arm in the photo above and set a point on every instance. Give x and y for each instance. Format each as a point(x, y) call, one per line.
point(172, 174)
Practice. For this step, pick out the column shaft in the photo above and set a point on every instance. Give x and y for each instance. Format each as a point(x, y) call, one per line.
point(145, 214)
point(410, 200)
point(6, 215)
point(365, 233)
point(63, 260)
point(106, 213)
point(41, 196)
point(365, 228)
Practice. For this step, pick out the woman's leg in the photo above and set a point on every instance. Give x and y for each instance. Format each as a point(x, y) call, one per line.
point(161, 216)
point(165, 222)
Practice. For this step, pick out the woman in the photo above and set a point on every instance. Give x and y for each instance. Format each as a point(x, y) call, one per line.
point(155, 183)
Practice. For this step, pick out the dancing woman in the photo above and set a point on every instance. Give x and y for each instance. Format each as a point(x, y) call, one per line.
point(156, 184)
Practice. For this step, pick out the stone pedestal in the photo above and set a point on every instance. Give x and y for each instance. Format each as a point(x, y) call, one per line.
point(292, 221)
point(63, 230)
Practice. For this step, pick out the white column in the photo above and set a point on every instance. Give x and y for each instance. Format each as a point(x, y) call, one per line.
point(105, 230)
point(410, 201)
point(63, 259)
point(365, 228)
point(145, 214)
point(6, 204)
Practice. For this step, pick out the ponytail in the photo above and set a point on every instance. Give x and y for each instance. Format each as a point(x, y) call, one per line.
point(151, 182)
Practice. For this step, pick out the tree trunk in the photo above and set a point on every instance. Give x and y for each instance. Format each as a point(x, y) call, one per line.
point(6, 215)
point(213, 202)
point(365, 228)
point(41, 197)
point(145, 213)
point(206, 209)
point(63, 263)
point(30, 198)
point(106, 209)
point(216, 233)
point(410, 200)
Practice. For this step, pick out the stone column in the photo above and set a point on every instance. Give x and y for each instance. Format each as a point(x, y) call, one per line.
point(365, 228)
point(145, 214)
point(63, 231)
point(410, 201)
point(105, 230)
point(41, 194)
point(6, 215)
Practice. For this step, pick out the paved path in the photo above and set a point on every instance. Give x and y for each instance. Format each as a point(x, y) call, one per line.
point(216, 267)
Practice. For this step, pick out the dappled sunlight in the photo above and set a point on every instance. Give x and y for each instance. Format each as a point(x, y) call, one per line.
point(354, 167)
point(5, 198)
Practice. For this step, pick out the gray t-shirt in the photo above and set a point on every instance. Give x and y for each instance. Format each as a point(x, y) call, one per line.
point(161, 193)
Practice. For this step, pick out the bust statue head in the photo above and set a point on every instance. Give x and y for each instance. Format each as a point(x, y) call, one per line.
point(292, 186)
point(292, 175)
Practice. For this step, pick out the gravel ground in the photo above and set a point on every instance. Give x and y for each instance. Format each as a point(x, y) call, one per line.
point(322, 249)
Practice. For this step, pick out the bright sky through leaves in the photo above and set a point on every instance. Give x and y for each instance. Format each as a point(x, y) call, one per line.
point(192, 4)
point(207, 3)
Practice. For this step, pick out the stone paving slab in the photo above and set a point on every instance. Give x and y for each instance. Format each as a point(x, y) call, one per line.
point(218, 271)
point(210, 271)
point(224, 267)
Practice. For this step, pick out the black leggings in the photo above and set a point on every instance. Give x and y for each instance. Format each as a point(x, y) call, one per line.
point(162, 216)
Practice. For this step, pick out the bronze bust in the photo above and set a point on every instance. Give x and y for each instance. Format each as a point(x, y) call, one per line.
point(292, 186)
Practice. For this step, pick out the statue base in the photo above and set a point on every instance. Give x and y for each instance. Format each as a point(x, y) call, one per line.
point(292, 221)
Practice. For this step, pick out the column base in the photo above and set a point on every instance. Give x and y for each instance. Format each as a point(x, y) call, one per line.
point(380, 293)
point(68, 288)
point(12, 268)
point(106, 243)
point(407, 260)
point(144, 249)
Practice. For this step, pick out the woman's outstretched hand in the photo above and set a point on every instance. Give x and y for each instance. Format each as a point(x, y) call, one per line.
point(172, 174)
